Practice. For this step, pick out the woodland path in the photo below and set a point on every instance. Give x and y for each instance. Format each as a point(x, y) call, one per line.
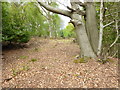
point(48, 63)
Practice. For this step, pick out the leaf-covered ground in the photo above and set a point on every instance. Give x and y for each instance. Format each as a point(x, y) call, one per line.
point(49, 63)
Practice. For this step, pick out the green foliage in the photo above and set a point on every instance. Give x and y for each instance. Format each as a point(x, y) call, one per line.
point(68, 31)
point(21, 20)
point(36, 22)
point(109, 32)
point(13, 24)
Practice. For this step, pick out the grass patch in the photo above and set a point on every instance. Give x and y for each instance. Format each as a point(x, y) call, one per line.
point(25, 68)
point(82, 60)
point(33, 60)
point(23, 57)
point(17, 71)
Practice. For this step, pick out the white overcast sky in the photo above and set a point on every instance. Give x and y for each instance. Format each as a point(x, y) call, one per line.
point(63, 5)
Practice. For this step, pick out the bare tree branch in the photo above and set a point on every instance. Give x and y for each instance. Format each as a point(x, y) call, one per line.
point(108, 24)
point(55, 10)
point(42, 9)
point(45, 13)
point(115, 41)
point(72, 9)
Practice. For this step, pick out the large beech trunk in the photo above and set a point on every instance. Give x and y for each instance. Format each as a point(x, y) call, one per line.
point(85, 47)
point(91, 26)
point(83, 40)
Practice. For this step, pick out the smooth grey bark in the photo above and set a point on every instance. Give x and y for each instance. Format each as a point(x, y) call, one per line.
point(91, 26)
point(85, 47)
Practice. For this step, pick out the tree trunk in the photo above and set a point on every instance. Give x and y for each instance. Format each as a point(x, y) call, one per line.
point(85, 47)
point(91, 26)
point(101, 28)
point(83, 40)
point(50, 32)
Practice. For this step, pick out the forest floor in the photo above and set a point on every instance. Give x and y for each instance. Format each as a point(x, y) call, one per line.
point(49, 63)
